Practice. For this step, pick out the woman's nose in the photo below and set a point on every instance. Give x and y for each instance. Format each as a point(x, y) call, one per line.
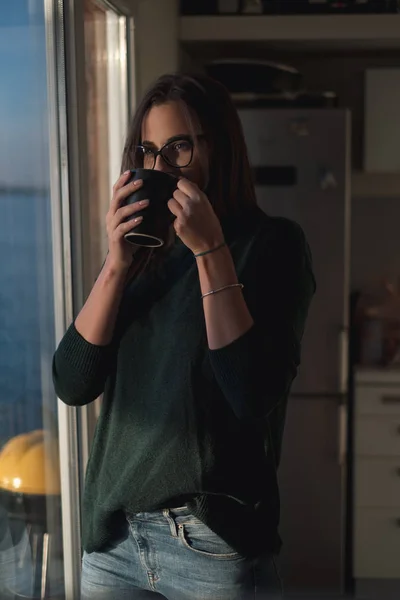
point(161, 165)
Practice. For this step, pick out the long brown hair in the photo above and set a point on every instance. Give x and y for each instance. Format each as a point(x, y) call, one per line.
point(230, 186)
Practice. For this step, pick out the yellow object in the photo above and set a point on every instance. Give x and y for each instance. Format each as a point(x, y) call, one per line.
point(29, 464)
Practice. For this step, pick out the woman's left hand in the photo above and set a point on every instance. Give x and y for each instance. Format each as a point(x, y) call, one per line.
point(196, 223)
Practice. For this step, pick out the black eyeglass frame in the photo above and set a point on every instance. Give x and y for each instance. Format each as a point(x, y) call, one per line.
point(178, 138)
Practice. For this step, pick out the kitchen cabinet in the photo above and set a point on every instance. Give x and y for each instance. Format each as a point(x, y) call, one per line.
point(376, 499)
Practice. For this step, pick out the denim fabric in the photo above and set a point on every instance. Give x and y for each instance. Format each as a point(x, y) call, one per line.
point(173, 555)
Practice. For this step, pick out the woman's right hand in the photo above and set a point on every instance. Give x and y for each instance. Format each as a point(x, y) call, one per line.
point(120, 252)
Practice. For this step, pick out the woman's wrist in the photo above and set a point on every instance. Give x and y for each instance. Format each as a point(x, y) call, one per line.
point(210, 250)
point(115, 270)
point(216, 269)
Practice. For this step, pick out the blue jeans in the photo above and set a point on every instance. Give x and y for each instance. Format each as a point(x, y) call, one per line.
point(173, 555)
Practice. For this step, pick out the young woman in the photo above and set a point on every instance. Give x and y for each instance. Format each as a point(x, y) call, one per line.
point(195, 349)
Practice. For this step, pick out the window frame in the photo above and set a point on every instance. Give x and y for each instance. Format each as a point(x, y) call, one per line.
point(68, 185)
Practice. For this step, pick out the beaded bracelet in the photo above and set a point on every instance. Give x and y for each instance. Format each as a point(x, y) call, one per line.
point(210, 251)
point(221, 289)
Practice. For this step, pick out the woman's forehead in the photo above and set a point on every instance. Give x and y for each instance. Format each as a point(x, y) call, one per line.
point(166, 121)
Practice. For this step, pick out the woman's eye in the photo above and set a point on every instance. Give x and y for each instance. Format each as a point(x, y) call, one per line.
point(181, 146)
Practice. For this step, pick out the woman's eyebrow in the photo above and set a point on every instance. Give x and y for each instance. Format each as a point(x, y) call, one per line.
point(180, 136)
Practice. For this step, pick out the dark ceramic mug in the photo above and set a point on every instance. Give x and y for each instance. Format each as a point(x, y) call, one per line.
point(158, 187)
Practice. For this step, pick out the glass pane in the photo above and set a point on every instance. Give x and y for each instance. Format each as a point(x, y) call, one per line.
point(107, 108)
point(31, 561)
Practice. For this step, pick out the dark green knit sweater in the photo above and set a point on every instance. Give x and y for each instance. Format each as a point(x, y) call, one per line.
point(181, 421)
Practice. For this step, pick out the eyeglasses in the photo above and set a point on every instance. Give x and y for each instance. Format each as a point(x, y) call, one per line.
point(177, 153)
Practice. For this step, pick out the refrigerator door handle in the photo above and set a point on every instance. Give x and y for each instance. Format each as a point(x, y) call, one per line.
point(343, 361)
point(343, 386)
point(342, 434)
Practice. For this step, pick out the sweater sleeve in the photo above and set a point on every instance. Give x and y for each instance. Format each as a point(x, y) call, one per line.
point(255, 372)
point(80, 369)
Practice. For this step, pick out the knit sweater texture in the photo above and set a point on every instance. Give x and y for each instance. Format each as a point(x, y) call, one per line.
point(181, 421)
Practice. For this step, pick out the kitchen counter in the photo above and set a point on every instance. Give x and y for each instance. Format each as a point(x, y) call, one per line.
point(377, 375)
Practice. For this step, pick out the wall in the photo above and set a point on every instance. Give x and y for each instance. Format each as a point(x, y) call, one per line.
point(156, 40)
point(375, 240)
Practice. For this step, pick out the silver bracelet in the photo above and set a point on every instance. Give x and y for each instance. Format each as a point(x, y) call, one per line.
point(221, 289)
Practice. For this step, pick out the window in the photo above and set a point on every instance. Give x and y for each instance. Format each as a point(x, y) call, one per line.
point(36, 278)
point(31, 556)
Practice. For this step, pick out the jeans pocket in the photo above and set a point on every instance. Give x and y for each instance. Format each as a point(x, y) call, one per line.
point(199, 538)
